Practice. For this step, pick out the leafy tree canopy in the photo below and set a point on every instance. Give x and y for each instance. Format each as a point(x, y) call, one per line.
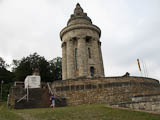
point(56, 68)
point(5, 75)
point(49, 71)
point(3, 63)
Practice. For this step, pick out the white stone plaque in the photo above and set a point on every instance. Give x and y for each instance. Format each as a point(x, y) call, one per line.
point(32, 81)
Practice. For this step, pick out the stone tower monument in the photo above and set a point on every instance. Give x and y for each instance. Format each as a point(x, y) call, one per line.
point(81, 47)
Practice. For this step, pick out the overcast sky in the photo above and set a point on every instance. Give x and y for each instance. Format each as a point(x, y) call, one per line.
point(130, 30)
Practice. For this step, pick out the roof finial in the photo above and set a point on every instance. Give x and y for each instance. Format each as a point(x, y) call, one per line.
point(78, 4)
point(78, 10)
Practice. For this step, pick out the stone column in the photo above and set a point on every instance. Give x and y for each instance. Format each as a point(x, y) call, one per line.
point(64, 62)
point(101, 59)
point(82, 58)
point(70, 60)
point(97, 58)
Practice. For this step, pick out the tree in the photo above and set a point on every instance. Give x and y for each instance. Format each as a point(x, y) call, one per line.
point(5, 75)
point(56, 68)
point(3, 63)
point(15, 64)
point(49, 70)
point(28, 64)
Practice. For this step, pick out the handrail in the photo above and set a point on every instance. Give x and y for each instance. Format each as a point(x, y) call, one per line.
point(50, 90)
point(24, 97)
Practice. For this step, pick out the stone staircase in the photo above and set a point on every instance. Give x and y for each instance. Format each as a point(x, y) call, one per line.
point(37, 98)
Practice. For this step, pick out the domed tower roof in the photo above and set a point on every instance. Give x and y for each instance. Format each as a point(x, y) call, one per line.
point(79, 17)
point(79, 20)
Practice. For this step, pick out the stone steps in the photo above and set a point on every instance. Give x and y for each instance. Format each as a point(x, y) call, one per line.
point(38, 98)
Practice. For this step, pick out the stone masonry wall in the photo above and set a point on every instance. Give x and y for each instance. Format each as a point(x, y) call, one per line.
point(105, 90)
point(149, 103)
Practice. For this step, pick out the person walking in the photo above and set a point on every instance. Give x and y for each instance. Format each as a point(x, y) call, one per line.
point(52, 98)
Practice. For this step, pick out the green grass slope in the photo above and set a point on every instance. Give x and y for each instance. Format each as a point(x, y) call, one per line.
point(83, 112)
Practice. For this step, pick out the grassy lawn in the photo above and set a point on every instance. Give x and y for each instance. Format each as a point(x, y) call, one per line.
point(83, 112)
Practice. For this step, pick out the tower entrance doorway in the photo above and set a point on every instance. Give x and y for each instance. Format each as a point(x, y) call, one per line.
point(92, 71)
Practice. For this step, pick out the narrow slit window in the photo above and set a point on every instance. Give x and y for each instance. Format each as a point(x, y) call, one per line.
point(89, 52)
point(76, 58)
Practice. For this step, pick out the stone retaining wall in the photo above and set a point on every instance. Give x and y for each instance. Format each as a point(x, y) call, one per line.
point(149, 103)
point(104, 90)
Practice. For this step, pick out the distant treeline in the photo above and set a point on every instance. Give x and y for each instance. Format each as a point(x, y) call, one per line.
point(49, 70)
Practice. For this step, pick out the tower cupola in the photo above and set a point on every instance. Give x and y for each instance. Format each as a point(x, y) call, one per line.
point(79, 17)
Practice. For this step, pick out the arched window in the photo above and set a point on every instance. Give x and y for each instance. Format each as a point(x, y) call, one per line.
point(88, 38)
point(92, 70)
